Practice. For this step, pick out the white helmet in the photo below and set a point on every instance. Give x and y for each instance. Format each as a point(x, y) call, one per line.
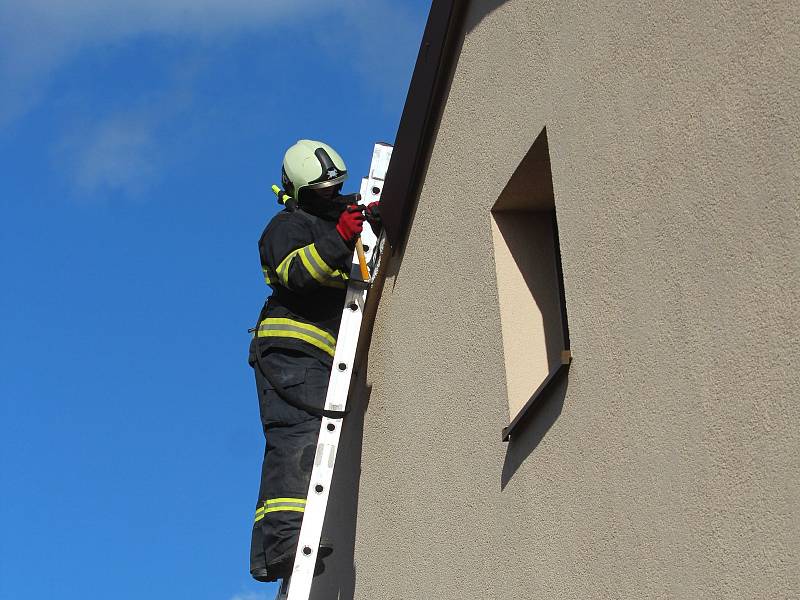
point(311, 165)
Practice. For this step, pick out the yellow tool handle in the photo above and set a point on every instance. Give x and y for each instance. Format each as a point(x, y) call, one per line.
point(362, 260)
point(276, 190)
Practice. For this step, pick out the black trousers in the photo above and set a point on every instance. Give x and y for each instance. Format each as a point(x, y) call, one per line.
point(291, 439)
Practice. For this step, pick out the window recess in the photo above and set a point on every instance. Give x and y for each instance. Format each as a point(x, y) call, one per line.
point(530, 285)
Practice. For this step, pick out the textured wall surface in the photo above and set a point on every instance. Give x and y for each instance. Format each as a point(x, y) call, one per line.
point(667, 465)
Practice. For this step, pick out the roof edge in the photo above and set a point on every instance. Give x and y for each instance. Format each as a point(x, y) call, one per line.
point(421, 114)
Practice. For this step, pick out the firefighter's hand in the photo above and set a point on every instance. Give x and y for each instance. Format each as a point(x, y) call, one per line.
point(351, 223)
point(373, 216)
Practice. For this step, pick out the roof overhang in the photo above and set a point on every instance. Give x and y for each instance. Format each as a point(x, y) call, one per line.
point(421, 114)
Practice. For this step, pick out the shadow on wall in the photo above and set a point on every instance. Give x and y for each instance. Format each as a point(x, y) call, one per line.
point(338, 580)
point(478, 10)
point(535, 426)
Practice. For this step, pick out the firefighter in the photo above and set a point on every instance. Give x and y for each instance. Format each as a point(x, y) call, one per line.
point(306, 254)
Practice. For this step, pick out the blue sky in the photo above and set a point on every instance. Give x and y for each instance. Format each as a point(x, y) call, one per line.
point(139, 140)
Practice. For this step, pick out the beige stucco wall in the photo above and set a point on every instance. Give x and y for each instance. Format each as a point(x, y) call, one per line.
point(667, 467)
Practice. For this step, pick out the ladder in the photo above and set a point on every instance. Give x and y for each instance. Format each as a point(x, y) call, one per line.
point(299, 586)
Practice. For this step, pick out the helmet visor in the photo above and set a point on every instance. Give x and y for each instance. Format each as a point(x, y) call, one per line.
point(328, 190)
point(326, 184)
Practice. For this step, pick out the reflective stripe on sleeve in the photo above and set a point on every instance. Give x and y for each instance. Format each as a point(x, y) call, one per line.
point(321, 265)
point(289, 328)
point(283, 268)
point(313, 264)
point(337, 280)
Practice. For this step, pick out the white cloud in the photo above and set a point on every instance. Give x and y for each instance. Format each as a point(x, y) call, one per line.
point(116, 154)
point(38, 36)
point(125, 149)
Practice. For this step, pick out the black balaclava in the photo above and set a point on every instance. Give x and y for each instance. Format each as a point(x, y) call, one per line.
point(328, 208)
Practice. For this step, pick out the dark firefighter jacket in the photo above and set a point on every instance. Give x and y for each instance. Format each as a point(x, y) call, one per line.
point(307, 264)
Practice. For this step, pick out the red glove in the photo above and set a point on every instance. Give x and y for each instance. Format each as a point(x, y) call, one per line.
point(351, 223)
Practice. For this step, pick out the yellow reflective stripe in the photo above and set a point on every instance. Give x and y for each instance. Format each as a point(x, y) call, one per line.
point(280, 504)
point(337, 279)
point(287, 508)
point(283, 327)
point(260, 516)
point(310, 267)
point(283, 268)
point(261, 510)
point(298, 336)
point(311, 260)
point(268, 276)
point(282, 500)
point(321, 263)
point(300, 325)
